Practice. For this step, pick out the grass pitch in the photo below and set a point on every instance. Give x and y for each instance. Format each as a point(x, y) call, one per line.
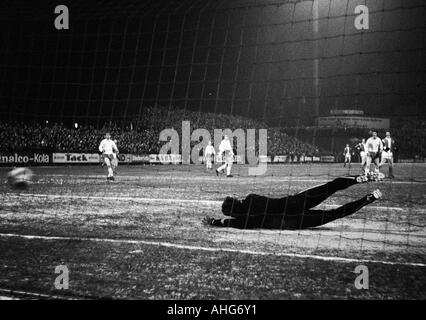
point(141, 236)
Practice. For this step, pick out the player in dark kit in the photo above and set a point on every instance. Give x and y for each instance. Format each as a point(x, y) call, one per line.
point(292, 212)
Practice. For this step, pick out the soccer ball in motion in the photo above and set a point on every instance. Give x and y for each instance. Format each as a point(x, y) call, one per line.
point(20, 178)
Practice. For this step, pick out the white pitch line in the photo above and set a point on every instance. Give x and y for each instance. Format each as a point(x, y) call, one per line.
point(191, 178)
point(170, 200)
point(212, 178)
point(209, 249)
point(34, 294)
point(289, 165)
point(134, 199)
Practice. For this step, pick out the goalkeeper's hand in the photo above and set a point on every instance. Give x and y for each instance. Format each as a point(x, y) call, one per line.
point(207, 221)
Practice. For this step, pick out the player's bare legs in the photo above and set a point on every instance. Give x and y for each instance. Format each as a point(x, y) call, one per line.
point(114, 164)
point(348, 162)
point(367, 165)
point(390, 161)
point(221, 168)
point(208, 162)
point(228, 169)
point(391, 168)
point(363, 160)
point(226, 166)
point(375, 174)
point(110, 175)
point(377, 164)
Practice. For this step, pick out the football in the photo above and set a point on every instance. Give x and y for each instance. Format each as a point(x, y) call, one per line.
point(20, 178)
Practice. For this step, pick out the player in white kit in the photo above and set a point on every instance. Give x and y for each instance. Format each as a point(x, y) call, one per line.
point(109, 150)
point(362, 148)
point(225, 149)
point(387, 154)
point(347, 154)
point(209, 154)
point(374, 149)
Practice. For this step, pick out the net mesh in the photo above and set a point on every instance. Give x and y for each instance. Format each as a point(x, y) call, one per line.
point(136, 68)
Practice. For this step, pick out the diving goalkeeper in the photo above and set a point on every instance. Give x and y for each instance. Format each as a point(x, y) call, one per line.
point(292, 212)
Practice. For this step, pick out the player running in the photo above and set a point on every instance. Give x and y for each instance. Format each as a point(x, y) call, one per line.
point(209, 154)
point(225, 149)
point(387, 154)
point(109, 153)
point(362, 148)
point(292, 212)
point(347, 154)
point(374, 148)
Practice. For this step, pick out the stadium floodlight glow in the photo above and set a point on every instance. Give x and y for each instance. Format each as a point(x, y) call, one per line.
point(76, 125)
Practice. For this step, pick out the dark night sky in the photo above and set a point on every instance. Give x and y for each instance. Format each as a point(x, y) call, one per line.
point(254, 58)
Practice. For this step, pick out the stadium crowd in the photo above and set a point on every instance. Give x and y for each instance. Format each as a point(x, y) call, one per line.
point(410, 138)
point(141, 136)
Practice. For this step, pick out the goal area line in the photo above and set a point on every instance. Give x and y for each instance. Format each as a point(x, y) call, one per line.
point(208, 249)
point(308, 179)
point(169, 200)
point(9, 294)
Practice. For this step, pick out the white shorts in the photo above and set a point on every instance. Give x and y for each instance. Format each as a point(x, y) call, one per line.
point(387, 155)
point(363, 154)
point(229, 159)
point(209, 158)
point(110, 159)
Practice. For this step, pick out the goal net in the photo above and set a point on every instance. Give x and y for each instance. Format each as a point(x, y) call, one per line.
point(169, 75)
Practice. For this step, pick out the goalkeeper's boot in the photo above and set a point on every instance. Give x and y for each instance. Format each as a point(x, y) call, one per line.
point(217, 172)
point(375, 195)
